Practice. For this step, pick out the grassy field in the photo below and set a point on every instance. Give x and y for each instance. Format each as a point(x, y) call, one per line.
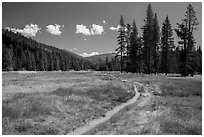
point(59, 102)
point(173, 107)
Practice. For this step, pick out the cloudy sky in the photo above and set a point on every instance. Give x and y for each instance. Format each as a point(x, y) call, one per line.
point(87, 28)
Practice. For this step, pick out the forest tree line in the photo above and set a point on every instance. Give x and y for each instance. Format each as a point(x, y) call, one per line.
point(154, 51)
point(22, 53)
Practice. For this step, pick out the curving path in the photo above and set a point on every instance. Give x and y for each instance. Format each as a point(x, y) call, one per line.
point(83, 129)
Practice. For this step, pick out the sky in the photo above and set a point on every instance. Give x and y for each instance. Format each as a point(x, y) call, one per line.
point(88, 28)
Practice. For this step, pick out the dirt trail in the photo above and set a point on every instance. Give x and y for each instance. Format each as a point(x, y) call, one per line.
point(83, 129)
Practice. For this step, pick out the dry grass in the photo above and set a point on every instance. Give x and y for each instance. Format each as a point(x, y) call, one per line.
point(175, 110)
point(181, 87)
point(183, 97)
point(61, 110)
point(58, 102)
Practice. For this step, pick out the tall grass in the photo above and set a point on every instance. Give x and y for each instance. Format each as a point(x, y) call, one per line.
point(181, 88)
point(28, 106)
point(107, 92)
point(21, 111)
point(17, 111)
point(184, 97)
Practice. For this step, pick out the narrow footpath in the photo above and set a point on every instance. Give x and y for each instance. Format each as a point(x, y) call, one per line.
point(92, 124)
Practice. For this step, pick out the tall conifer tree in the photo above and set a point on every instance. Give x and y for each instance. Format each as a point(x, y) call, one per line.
point(185, 32)
point(156, 39)
point(121, 41)
point(134, 48)
point(167, 45)
point(148, 40)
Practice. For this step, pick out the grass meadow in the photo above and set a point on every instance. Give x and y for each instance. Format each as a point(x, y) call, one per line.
point(49, 103)
point(57, 102)
point(175, 108)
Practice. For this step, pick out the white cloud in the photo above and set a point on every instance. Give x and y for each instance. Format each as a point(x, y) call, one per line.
point(96, 29)
point(115, 28)
point(89, 54)
point(54, 29)
point(29, 30)
point(104, 21)
point(85, 39)
point(82, 29)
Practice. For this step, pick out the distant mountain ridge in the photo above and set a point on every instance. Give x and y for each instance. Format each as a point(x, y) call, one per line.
point(101, 57)
point(22, 53)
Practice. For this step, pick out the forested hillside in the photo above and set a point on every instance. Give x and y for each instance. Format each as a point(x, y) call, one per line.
point(22, 53)
point(101, 57)
point(105, 62)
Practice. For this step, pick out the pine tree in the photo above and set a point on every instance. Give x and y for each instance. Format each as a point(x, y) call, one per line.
point(139, 48)
point(133, 55)
point(193, 62)
point(56, 62)
point(185, 32)
point(33, 64)
point(29, 63)
point(156, 39)
point(167, 45)
point(121, 41)
point(176, 60)
point(24, 59)
point(62, 64)
point(45, 60)
point(148, 40)
point(22, 53)
point(199, 52)
point(41, 58)
point(50, 61)
point(106, 64)
point(128, 46)
point(6, 58)
point(112, 64)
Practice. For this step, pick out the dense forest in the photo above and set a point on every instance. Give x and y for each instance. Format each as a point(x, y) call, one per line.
point(154, 51)
point(22, 53)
